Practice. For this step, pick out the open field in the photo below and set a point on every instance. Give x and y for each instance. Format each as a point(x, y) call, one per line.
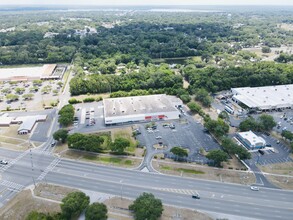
point(127, 134)
point(272, 55)
point(23, 203)
point(204, 172)
point(11, 140)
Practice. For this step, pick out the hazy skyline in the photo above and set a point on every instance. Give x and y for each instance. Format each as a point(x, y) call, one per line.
point(148, 2)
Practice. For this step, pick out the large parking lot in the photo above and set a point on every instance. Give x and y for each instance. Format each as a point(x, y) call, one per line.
point(42, 94)
point(189, 135)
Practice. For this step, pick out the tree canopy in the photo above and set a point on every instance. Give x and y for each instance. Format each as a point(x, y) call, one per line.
point(119, 145)
point(147, 207)
point(73, 204)
point(218, 156)
point(61, 134)
point(96, 211)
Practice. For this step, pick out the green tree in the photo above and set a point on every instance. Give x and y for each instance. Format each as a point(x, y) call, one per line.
point(34, 215)
point(185, 98)
point(218, 156)
point(12, 97)
point(231, 147)
point(266, 49)
point(19, 90)
point(61, 134)
point(96, 211)
point(249, 124)
point(66, 115)
point(224, 115)
point(119, 145)
point(194, 108)
point(219, 128)
point(147, 207)
point(179, 151)
point(267, 122)
point(203, 96)
point(28, 96)
point(73, 204)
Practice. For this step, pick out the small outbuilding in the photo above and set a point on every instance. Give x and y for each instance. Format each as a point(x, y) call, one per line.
point(250, 140)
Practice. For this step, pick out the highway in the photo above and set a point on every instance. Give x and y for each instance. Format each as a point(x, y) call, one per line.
point(41, 166)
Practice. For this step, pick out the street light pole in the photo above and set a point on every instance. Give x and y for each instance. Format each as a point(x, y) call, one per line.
point(121, 181)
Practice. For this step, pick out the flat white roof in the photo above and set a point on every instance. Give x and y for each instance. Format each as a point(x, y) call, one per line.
point(136, 105)
point(26, 72)
point(252, 138)
point(266, 97)
point(4, 120)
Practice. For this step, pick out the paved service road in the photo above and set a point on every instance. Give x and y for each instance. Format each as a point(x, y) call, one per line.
point(217, 197)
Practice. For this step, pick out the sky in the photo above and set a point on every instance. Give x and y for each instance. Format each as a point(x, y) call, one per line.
point(148, 2)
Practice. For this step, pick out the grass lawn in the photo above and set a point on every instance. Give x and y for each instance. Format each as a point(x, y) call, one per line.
point(184, 170)
point(110, 160)
point(127, 134)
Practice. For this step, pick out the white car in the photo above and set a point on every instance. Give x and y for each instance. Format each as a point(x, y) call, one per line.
point(3, 162)
point(254, 188)
point(158, 137)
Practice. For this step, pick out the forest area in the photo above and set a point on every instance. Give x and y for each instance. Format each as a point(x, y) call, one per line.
point(210, 43)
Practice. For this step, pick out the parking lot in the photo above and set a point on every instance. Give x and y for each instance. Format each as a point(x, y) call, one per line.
point(281, 153)
point(42, 94)
point(189, 135)
point(89, 117)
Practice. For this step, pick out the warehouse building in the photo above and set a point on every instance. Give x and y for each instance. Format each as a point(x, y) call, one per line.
point(45, 72)
point(141, 109)
point(250, 140)
point(265, 98)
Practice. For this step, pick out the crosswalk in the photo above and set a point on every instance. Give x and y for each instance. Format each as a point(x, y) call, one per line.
point(11, 185)
point(181, 191)
point(4, 168)
point(49, 168)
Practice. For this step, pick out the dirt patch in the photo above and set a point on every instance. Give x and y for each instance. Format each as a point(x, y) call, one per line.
point(82, 97)
point(281, 181)
point(204, 172)
point(60, 148)
point(118, 209)
point(234, 164)
point(120, 161)
point(53, 192)
point(281, 174)
point(23, 203)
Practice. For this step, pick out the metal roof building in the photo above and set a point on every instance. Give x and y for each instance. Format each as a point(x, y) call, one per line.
point(29, 122)
point(140, 108)
point(265, 98)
